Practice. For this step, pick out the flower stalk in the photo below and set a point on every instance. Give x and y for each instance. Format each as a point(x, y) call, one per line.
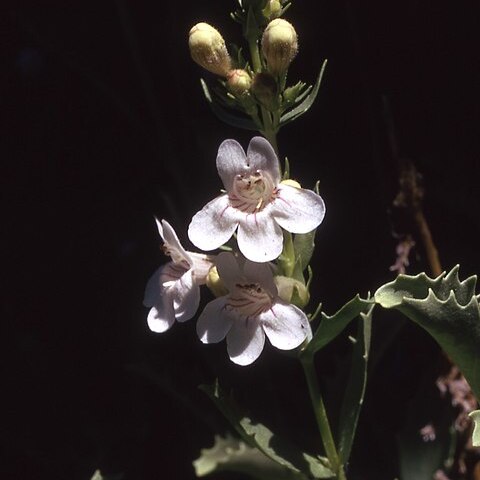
point(270, 127)
point(321, 416)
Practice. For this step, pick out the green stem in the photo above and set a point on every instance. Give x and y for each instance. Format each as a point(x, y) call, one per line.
point(269, 129)
point(321, 416)
point(270, 134)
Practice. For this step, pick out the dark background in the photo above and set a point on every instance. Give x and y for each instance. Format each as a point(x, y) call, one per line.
point(105, 126)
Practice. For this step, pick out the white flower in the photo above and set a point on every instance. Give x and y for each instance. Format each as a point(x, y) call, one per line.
point(256, 202)
point(251, 310)
point(173, 291)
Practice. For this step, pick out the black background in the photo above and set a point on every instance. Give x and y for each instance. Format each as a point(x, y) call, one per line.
point(105, 126)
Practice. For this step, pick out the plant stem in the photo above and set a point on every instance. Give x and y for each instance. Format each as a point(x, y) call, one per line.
point(428, 243)
point(269, 130)
point(321, 416)
point(270, 135)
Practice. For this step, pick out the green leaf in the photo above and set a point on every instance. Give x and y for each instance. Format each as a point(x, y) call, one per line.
point(447, 309)
point(224, 115)
point(356, 386)
point(475, 415)
point(259, 436)
point(286, 170)
point(307, 103)
point(331, 327)
point(293, 95)
point(251, 29)
point(232, 455)
point(304, 244)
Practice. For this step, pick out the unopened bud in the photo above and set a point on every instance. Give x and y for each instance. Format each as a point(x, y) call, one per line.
point(215, 284)
point(265, 90)
point(279, 45)
point(291, 183)
point(272, 10)
point(238, 82)
point(292, 291)
point(208, 49)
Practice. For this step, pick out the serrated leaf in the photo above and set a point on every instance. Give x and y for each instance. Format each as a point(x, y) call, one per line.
point(307, 103)
point(259, 436)
point(224, 115)
point(447, 309)
point(331, 326)
point(230, 454)
point(356, 386)
point(475, 416)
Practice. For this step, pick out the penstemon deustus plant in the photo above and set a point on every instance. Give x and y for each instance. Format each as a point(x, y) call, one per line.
point(267, 222)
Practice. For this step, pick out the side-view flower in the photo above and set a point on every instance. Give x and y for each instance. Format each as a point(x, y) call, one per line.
point(173, 291)
point(256, 202)
point(251, 310)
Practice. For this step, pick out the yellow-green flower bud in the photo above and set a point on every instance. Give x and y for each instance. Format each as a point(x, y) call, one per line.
point(238, 82)
point(292, 183)
point(279, 45)
point(272, 10)
point(292, 291)
point(208, 49)
point(215, 284)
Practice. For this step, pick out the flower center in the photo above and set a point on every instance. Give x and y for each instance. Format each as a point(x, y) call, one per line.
point(249, 299)
point(252, 192)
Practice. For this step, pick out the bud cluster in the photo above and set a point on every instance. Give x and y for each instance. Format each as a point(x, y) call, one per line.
point(256, 87)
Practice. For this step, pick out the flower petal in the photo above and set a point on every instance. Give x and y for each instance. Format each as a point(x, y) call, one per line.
point(228, 269)
point(214, 322)
point(245, 341)
point(178, 253)
point(262, 156)
point(162, 315)
point(185, 294)
point(286, 325)
point(259, 238)
point(262, 274)
point(298, 210)
point(231, 160)
point(166, 274)
point(213, 226)
point(201, 266)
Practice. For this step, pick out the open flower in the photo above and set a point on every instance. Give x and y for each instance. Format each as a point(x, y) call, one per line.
point(173, 291)
point(256, 202)
point(251, 310)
